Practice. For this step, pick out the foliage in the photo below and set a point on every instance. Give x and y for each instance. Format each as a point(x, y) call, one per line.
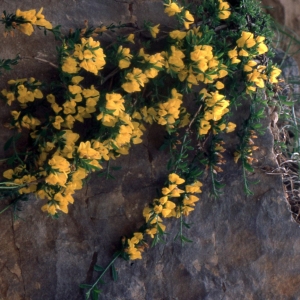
point(117, 89)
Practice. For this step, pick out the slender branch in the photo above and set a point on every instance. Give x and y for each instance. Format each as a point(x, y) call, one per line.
point(111, 74)
point(40, 59)
point(194, 118)
point(87, 294)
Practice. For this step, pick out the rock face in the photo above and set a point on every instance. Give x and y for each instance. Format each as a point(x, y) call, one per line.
point(286, 12)
point(243, 247)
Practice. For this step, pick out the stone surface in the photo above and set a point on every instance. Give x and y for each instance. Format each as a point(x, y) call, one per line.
point(243, 247)
point(286, 13)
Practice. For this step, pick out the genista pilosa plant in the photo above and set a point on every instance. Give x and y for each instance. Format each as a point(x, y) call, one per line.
point(216, 52)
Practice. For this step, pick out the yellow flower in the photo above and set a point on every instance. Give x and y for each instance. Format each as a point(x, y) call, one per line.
point(190, 200)
point(75, 89)
point(176, 34)
point(30, 122)
point(125, 56)
point(275, 72)
point(167, 209)
point(174, 178)
point(86, 151)
point(59, 163)
point(172, 9)
point(230, 127)
point(219, 85)
point(222, 73)
point(194, 187)
point(262, 48)
point(237, 156)
point(130, 38)
point(70, 65)
point(235, 60)
point(224, 11)
point(50, 208)
point(188, 19)
point(233, 53)
point(154, 30)
point(8, 174)
point(204, 127)
point(256, 77)
point(77, 79)
point(246, 39)
point(115, 102)
point(41, 21)
point(250, 89)
point(57, 123)
point(57, 178)
point(69, 107)
point(30, 16)
point(136, 79)
point(243, 52)
point(249, 65)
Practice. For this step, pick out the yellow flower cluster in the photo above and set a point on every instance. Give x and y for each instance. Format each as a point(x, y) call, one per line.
point(135, 246)
point(62, 161)
point(87, 55)
point(249, 47)
point(216, 106)
point(27, 91)
point(248, 151)
point(32, 18)
point(218, 157)
point(204, 66)
point(124, 57)
point(165, 208)
point(275, 72)
point(172, 8)
point(135, 80)
point(168, 112)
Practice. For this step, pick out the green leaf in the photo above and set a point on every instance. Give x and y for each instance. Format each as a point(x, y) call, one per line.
point(116, 168)
point(95, 294)
point(248, 167)
point(160, 231)
point(219, 185)
point(186, 225)
point(287, 103)
point(98, 268)
point(109, 176)
point(85, 286)
point(114, 273)
point(184, 239)
point(256, 126)
point(8, 143)
point(176, 236)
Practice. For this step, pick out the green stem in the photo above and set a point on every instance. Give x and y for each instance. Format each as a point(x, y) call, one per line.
point(87, 294)
point(15, 150)
point(181, 150)
point(6, 208)
point(10, 186)
point(107, 171)
point(181, 221)
point(216, 194)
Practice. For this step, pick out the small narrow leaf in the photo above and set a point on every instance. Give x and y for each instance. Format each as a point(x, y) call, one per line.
point(184, 239)
point(114, 273)
point(98, 268)
point(8, 143)
point(85, 286)
point(248, 167)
